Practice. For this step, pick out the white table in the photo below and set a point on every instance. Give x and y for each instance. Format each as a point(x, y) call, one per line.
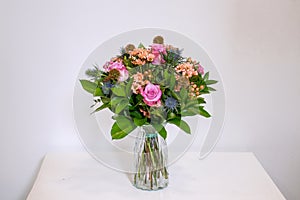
point(232, 176)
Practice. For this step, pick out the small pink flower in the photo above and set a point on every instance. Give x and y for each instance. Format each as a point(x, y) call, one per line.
point(118, 66)
point(157, 50)
point(151, 94)
point(200, 69)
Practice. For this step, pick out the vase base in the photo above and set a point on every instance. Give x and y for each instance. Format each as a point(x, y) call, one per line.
point(150, 185)
point(148, 188)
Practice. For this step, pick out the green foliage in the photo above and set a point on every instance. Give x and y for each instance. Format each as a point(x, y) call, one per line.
point(121, 106)
point(181, 124)
point(210, 82)
point(139, 121)
point(94, 74)
point(119, 90)
point(104, 105)
point(177, 101)
point(122, 127)
point(88, 86)
point(161, 130)
point(116, 132)
point(203, 112)
point(98, 92)
point(141, 46)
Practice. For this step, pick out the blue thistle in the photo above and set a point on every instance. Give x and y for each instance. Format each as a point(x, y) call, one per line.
point(106, 87)
point(171, 103)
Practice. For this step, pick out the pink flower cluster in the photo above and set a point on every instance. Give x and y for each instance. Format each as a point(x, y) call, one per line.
point(157, 50)
point(118, 66)
point(187, 69)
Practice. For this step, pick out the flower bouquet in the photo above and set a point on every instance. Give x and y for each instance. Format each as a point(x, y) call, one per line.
point(149, 87)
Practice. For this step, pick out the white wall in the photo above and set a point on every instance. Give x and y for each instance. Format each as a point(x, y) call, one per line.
point(254, 44)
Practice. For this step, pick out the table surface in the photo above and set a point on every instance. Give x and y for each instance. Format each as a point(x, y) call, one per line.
point(232, 176)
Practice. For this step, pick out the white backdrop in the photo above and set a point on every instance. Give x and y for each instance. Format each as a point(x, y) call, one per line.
point(254, 44)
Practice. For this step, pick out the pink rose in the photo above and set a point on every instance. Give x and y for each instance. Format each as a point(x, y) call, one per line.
point(157, 50)
point(151, 94)
point(118, 66)
point(200, 69)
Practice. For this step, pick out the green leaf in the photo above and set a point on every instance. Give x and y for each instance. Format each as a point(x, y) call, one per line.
point(211, 89)
point(128, 87)
point(166, 75)
point(116, 132)
point(183, 94)
point(136, 114)
point(105, 99)
point(171, 115)
point(203, 112)
point(139, 122)
point(172, 82)
point(189, 112)
point(201, 100)
point(158, 112)
point(121, 106)
point(175, 95)
point(210, 82)
point(206, 76)
point(116, 100)
point(125, 123)
point(161, 130)
point(141, 46)
point(98, 92)
point(88, 86)
point(192, 103)
point(119, 91)
point(181, 124)
point(105, 105)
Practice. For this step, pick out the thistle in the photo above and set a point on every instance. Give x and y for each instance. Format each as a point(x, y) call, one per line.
point(171, 103)
point(158, 40)
point(129, 47)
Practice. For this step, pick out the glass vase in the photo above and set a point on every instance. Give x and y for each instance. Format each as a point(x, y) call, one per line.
point(151, 155)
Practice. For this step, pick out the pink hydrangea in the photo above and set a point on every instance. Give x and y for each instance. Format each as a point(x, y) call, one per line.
point(200, 69)
point(118, 66)
point(151, 94)
point(157, 50)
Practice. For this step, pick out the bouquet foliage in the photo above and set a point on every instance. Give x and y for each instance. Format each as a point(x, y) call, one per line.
point(152, 85)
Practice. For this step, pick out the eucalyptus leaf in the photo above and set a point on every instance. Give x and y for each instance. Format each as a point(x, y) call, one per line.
point(211, 89)
point(116, 100)
point(161, 130)
point(210, 82)
point(183, 94)
point(136, 114)
point(172, 82)
point(125, 124)
point(128, 87)
point(203, 112)
point(166, 75)
point(88, 86)
point(188, 113)
point(192, 103)
point(201, 100)
point(141, 46)
point(206, 76)
point(105, 105)
point(116, 132)
point(119, 90)
point(181, 124)
point(139, 122)
point(121, 106)
point(98, 92)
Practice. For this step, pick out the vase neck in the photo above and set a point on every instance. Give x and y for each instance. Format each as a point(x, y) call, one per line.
point(149, 131)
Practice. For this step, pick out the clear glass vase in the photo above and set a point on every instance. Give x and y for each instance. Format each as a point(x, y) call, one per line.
point(151, 155)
